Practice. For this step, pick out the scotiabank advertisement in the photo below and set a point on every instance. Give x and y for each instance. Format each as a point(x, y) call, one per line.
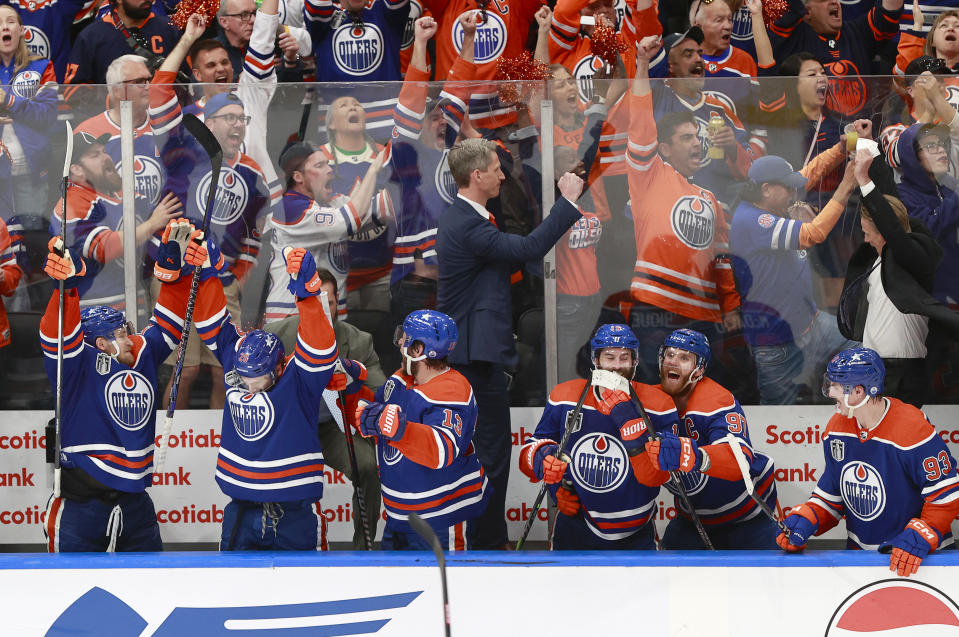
point(190, 505)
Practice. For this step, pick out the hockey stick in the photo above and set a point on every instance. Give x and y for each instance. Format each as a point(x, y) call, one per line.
point(573, 423)
point(211, 146)
point(743, 464)
point(350, 448)
point(673, 475)
point(58, 408)
point(305, 115)
point(425, 531)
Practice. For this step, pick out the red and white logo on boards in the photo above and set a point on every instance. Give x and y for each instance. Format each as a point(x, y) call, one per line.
point(895, 607)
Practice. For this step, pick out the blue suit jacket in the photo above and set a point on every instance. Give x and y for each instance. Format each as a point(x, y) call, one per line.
point(475, 261)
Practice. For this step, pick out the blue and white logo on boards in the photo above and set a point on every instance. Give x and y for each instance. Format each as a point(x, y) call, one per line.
point(599, 463)
point(490, 39)
point(357, 49)
point(693, 220)
point(583, 72)
point(443, 179)
point(230, 200)
point(862, 490)
point(26, 84)
point(129, 399)
point(252, 413)
point(37, 41)
point(147, 176)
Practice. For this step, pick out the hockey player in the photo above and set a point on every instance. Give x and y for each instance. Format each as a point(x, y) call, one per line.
point(270, 461)
point(606, 487)
point(423, 420)
point(711, 420)
point(109, 386)
point(887, 471)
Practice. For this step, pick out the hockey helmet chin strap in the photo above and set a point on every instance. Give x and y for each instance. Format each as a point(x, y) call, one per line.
point(853, 408)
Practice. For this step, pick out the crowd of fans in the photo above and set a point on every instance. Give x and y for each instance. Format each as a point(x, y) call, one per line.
point(784, 183)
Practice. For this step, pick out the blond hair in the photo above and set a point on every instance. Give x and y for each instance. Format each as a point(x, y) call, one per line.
point(468, 155)
point(21, 56)
point(929, 49)
point(898, 208)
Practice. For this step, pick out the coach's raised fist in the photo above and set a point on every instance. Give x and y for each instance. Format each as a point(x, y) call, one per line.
point(61, 265)
point(570, 186)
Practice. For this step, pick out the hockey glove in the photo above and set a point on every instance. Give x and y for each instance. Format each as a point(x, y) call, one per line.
point(348, 376)
point(204, 254)
point(671, 453)
point(567, 502)
point(173, 244)
point(609, 399)
point(554, 468)
point(910, 546)
point(304, 281)
point(541, 452)
point(379, 419)
point(802, 523)
point(63, 266)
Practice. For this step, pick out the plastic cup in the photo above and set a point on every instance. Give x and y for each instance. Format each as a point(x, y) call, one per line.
point(852, 137)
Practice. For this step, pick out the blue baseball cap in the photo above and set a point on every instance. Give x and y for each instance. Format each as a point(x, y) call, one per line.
point(777, 170)
point(219, 101)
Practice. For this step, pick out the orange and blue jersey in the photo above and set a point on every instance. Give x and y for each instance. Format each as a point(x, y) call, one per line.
point(615, 504)
point(109, 409)
point(11, 277)
point(47, 25)
point(433, 470)
point(682, 238)
point(719, 495)
point(31, 101)
point(270, 449)
point(881, 478)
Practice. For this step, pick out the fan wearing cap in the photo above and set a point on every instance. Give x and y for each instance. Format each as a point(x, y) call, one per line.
point(786, 332)
point(887, 471)
point(109, 398)
point(846, 48)
point(94, 218)
point(313, 216)
point(681, 60)
point(423, 420)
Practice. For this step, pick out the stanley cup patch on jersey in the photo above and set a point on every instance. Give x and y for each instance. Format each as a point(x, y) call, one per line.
point(837, 448)
point(599, 463)
point(104, 363)
point(388, 389)
point(252, 413)
point(576, 424)
point(863, 491)
point(129, 397)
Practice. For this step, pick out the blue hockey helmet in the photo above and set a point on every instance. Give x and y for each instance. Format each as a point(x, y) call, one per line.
point(853, 367)
point(435, 330)
point(614, 335)
point(102, 321)
point(690, 341)
point(257, 354)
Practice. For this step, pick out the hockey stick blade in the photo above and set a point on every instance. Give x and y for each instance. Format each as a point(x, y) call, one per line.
point(205, 138)
point(743, 464)
point(425, 531)
point(573, 422)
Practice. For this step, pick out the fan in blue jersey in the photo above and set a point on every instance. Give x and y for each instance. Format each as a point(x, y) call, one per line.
point(109, 386)
point(887, 471)
point(605, 487)
point(423, 420)
point(710, 420)
point(270, 461)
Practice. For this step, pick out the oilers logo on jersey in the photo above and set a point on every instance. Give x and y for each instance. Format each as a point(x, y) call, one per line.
point(409, 31)
point(862, 490)
point(37, 41)
point(25, 84)
point(338, 256)
point(585, 233)
point(583, 72)
point(693, 220)
point(252, 413)
point(391, 455)
point(231, 197)
point(490, 39)
point(599, 463)
point(443, 179)
point(129, 398)
point(693, 482)
point(357, 50)
point(147, 176)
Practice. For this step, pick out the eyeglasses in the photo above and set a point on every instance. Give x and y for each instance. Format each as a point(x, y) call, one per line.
point(931, 147)
point(243, 15)
point(138, 81)
point(232, 118)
